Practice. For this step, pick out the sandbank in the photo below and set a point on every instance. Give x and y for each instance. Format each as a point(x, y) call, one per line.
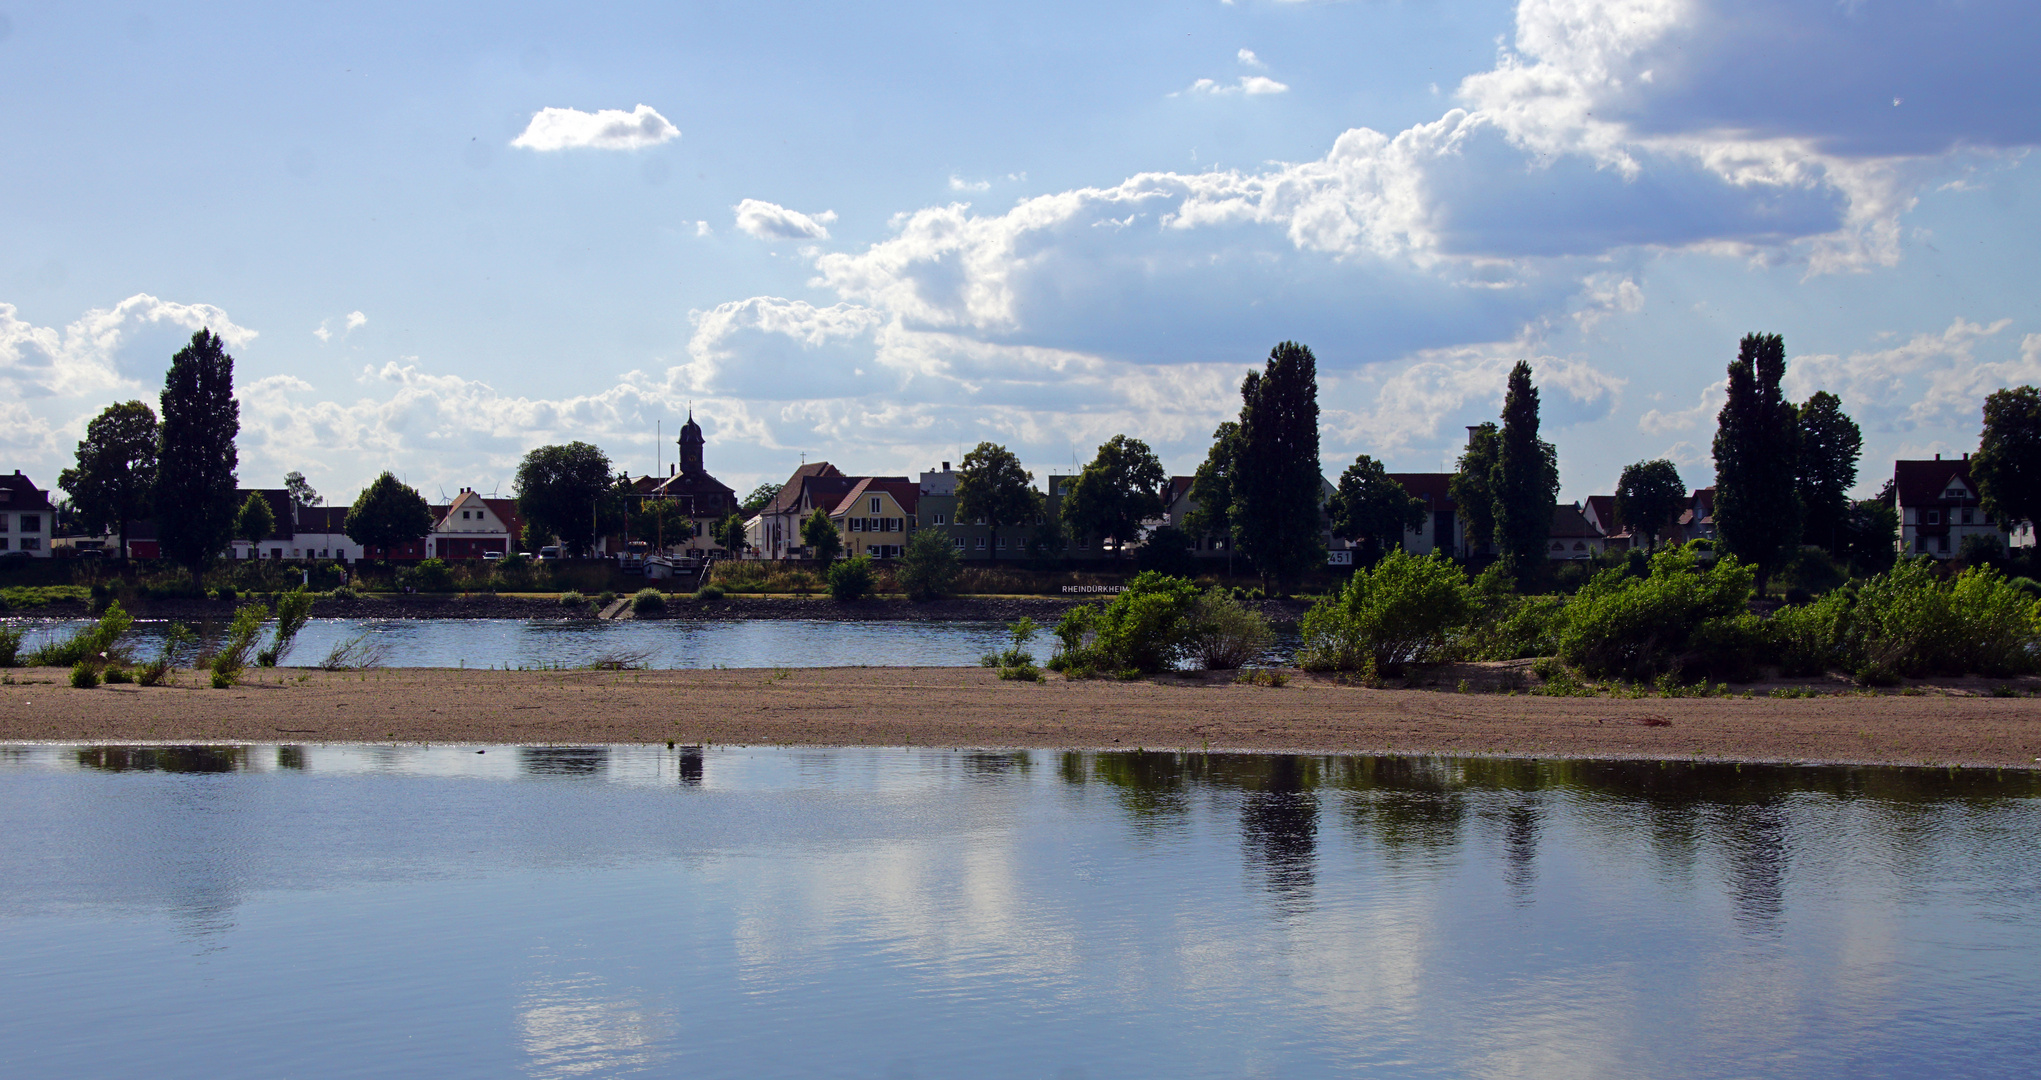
point(971, 707)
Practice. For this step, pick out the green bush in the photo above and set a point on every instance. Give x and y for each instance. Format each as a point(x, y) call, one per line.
point(293, 611)
point(84, 676)
point(1507, 626)
point(118, 676)
point(1225, 634)
point(852, 578)
point(607, 598)
point(1402, 610)
point(1021, 673)
point(709, 593)
point(1146, 628)
point(1804, 639)
point(648, 601)
point(1637, 628)
point(573, 599)
point(1016, 653)
point(928, 568)
point(104, 642)
point(429, 575)
point(10, 646)
point(225, 592)
point(1910, 622)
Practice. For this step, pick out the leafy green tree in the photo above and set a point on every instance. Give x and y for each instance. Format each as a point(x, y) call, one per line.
point(1830, 444)
point(1870, 535)
point(387, 513)
point(300, 489)
point(1649, 497)
point(1121, 488)
point(760, 498)
point(115, 478)
point(928, 568)
point(991, 485)
point(2007, 465)
point(1277, 511)
point(1370, 504)
point(1212, 487)
point(1757, 501)
point(1471, 485)
point(562, 489)
point(661, 521)
point(195, 503)
point(1167, 550)
point(729, 534)
point(824, 543)
point(1526, 479)
point(256, 521)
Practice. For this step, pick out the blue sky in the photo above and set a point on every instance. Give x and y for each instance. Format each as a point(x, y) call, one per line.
point(439, 235)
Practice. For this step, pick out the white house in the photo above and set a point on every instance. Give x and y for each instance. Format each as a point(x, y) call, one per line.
point(26, 517)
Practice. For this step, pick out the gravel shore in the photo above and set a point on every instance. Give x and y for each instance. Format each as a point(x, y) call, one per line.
point(971, 707)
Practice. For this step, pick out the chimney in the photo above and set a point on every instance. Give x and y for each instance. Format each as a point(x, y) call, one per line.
point(1938, 457)
point(669, 470)
point(1966, 456)
point(946, 466)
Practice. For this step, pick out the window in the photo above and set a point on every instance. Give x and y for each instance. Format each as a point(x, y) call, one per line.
point(1942, 543)
point(875, 504)
point(3, 523)
point(1002, 543)
point(1966, 515)
point(31, 523)
point(939, 518)
point(980, 544)
point(959, 542)
point(1934, 517)
point(31, 543)
point(3, 543)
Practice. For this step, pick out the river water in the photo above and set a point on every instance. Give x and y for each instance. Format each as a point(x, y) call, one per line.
point(267, 911)
point(536, 643)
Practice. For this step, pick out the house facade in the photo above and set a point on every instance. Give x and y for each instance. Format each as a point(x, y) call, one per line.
point(471, 528)
point(776, 532)
point(1939, 507)
point(1573, 535)
point(27, 520)
point(876, 516)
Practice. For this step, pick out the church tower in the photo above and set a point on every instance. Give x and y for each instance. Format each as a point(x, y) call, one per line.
point(691, 447)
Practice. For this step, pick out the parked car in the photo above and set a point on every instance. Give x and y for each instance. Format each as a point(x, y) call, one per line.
point(491, 556)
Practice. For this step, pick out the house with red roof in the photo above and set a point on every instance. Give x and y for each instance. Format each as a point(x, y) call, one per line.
point(1939, 507)
point(876, 515)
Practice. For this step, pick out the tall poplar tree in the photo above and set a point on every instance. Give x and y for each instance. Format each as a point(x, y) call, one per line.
point(195, 504)
point(1525, 482)
point(1276, 515)
point(1757, 459)
point(1830, 444)
point(114, 481)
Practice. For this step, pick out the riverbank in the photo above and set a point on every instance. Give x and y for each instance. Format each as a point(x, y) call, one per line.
point(972, 707)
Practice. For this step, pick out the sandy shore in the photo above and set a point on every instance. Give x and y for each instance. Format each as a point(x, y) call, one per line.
point(970, 707)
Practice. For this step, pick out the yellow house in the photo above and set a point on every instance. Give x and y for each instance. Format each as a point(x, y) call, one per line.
point(876, 517)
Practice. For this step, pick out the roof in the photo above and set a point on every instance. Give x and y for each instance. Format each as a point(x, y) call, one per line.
point(1179, 488)
point(789, 498)
point(1601, 508)
point(1569, 523)
point(1435, 488)
point(1919, 482)
point(904, 491)
point(1702, 509)
point(22, 494)
point(319, 519)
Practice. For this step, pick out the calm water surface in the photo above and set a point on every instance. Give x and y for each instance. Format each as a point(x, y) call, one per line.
point(606, 911)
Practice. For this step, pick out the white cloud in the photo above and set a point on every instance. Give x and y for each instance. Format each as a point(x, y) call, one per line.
point(1658, 422)
point(1604, 295)
point(1252, 85)
point(23, 433)
point(1248, 59)
point(355, 320)
point(770, 221)
point(106, 349)
point(958, 183)
point(605, 129)
point(1411, 405)
point(702, 228)
point(1930, 377)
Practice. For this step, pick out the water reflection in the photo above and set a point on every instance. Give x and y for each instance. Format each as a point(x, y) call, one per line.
point(564, 760)
point(604, 910)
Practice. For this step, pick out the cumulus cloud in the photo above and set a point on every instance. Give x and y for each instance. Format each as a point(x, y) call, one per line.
point(771, 221)
point(605, 129)
point(1248, 59)
point(1929, 377)
point(106, 349)
point(958, 183)
point(1465, 383)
